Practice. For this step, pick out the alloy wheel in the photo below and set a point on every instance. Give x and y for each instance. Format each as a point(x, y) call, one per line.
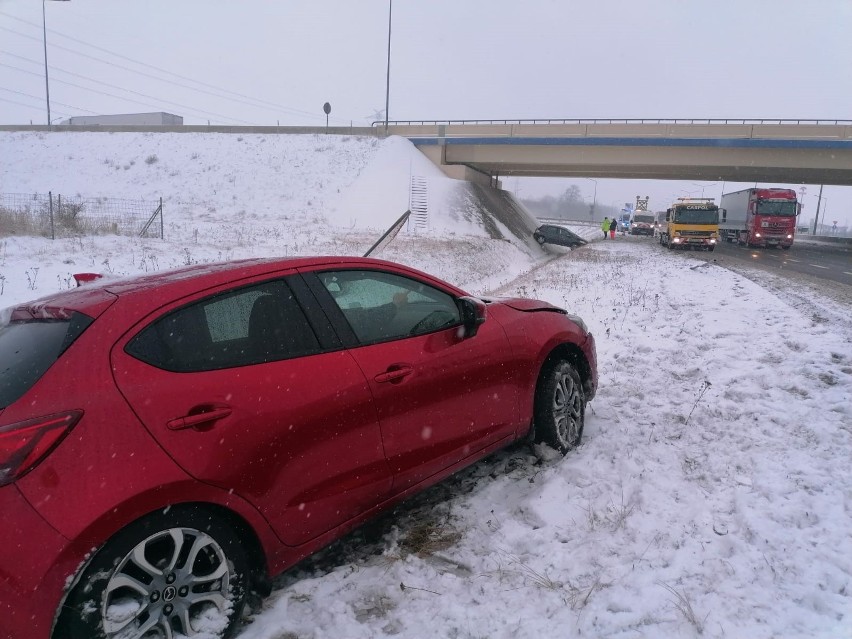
point(165, 585)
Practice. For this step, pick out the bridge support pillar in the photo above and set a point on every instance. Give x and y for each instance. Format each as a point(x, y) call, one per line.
point(456, 171)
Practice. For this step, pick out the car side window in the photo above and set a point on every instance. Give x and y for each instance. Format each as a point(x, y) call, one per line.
point(383, 306)
point(250, 325)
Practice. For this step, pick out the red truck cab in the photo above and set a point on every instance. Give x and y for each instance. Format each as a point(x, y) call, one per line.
point(759, 217)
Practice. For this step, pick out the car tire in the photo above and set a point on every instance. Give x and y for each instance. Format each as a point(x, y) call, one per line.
point(560, 406)
point(127, 574)
point(540, 240)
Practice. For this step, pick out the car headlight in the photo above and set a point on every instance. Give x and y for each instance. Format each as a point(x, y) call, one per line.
point(578, 321)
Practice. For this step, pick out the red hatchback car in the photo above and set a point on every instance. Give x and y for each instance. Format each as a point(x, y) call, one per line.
point(168, 442)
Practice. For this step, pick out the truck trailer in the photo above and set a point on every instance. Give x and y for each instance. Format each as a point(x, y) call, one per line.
point(759, 217)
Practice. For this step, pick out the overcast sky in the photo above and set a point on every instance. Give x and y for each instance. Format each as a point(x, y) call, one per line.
point(268, 62)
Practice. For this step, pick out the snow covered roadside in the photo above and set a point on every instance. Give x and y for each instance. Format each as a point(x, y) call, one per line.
point(711, 496)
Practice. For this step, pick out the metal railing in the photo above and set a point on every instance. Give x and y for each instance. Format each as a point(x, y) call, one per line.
point(819, 121)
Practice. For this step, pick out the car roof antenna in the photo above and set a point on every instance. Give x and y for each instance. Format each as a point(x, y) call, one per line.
point(391, 233)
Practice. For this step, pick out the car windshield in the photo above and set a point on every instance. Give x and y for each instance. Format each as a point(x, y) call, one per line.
point(29, 347)
point(647, 219)
point(769, 207)
point(696, 216)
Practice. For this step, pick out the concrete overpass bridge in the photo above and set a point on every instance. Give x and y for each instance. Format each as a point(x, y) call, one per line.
point(780, 151)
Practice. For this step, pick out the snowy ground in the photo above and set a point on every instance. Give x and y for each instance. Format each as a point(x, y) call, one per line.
point(712, 496)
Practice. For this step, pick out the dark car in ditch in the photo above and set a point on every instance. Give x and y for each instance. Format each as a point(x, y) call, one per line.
point(559, 235)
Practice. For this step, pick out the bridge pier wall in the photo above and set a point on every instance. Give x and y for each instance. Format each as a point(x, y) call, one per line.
point(456, 171)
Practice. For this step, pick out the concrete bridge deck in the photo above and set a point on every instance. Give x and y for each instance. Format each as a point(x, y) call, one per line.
point(811, 152)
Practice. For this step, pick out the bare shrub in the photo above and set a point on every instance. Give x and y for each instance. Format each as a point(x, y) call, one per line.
point(17, 222)
point(67, 214)
point(684, 605)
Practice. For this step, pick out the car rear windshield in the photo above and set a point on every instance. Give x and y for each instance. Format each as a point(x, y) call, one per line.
point(29, 347)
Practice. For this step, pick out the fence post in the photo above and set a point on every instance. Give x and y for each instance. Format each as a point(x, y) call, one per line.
point(52, 232)
point(158, 211)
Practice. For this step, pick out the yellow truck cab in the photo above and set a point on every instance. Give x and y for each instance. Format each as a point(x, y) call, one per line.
point(691, 222)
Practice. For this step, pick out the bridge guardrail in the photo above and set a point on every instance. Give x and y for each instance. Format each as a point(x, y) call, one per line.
point(615, 121)
point(650, 129)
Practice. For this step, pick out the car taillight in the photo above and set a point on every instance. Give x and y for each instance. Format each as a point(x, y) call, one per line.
point(24, 444)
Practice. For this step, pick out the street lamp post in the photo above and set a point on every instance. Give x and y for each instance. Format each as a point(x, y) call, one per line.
point(703, 186)
point(594, 198)
point(46, 83)
point(816, 216)
point(387, 81)
point(44, 40)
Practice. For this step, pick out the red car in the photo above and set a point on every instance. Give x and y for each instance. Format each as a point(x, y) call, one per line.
point(168, 442)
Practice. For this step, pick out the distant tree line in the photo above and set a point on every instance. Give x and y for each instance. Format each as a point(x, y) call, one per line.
point(568, 206)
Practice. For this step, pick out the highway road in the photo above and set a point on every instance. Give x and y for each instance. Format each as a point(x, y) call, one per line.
point(823, 261)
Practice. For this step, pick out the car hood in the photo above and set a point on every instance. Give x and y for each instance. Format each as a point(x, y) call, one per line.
point(525, 305)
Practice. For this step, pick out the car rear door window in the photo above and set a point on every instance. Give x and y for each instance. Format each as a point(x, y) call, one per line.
point(28, 347)
point(251, 325)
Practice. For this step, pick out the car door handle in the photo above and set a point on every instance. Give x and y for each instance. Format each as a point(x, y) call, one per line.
point(199, 420)
point(394, 374)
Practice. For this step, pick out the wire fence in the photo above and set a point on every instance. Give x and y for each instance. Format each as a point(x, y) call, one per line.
point(55, 216)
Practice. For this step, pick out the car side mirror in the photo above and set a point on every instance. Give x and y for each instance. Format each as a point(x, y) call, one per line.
point(473, 313)
point(724, 214)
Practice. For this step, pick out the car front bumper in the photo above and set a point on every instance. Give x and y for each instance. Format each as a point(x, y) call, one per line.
point(590, 387)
